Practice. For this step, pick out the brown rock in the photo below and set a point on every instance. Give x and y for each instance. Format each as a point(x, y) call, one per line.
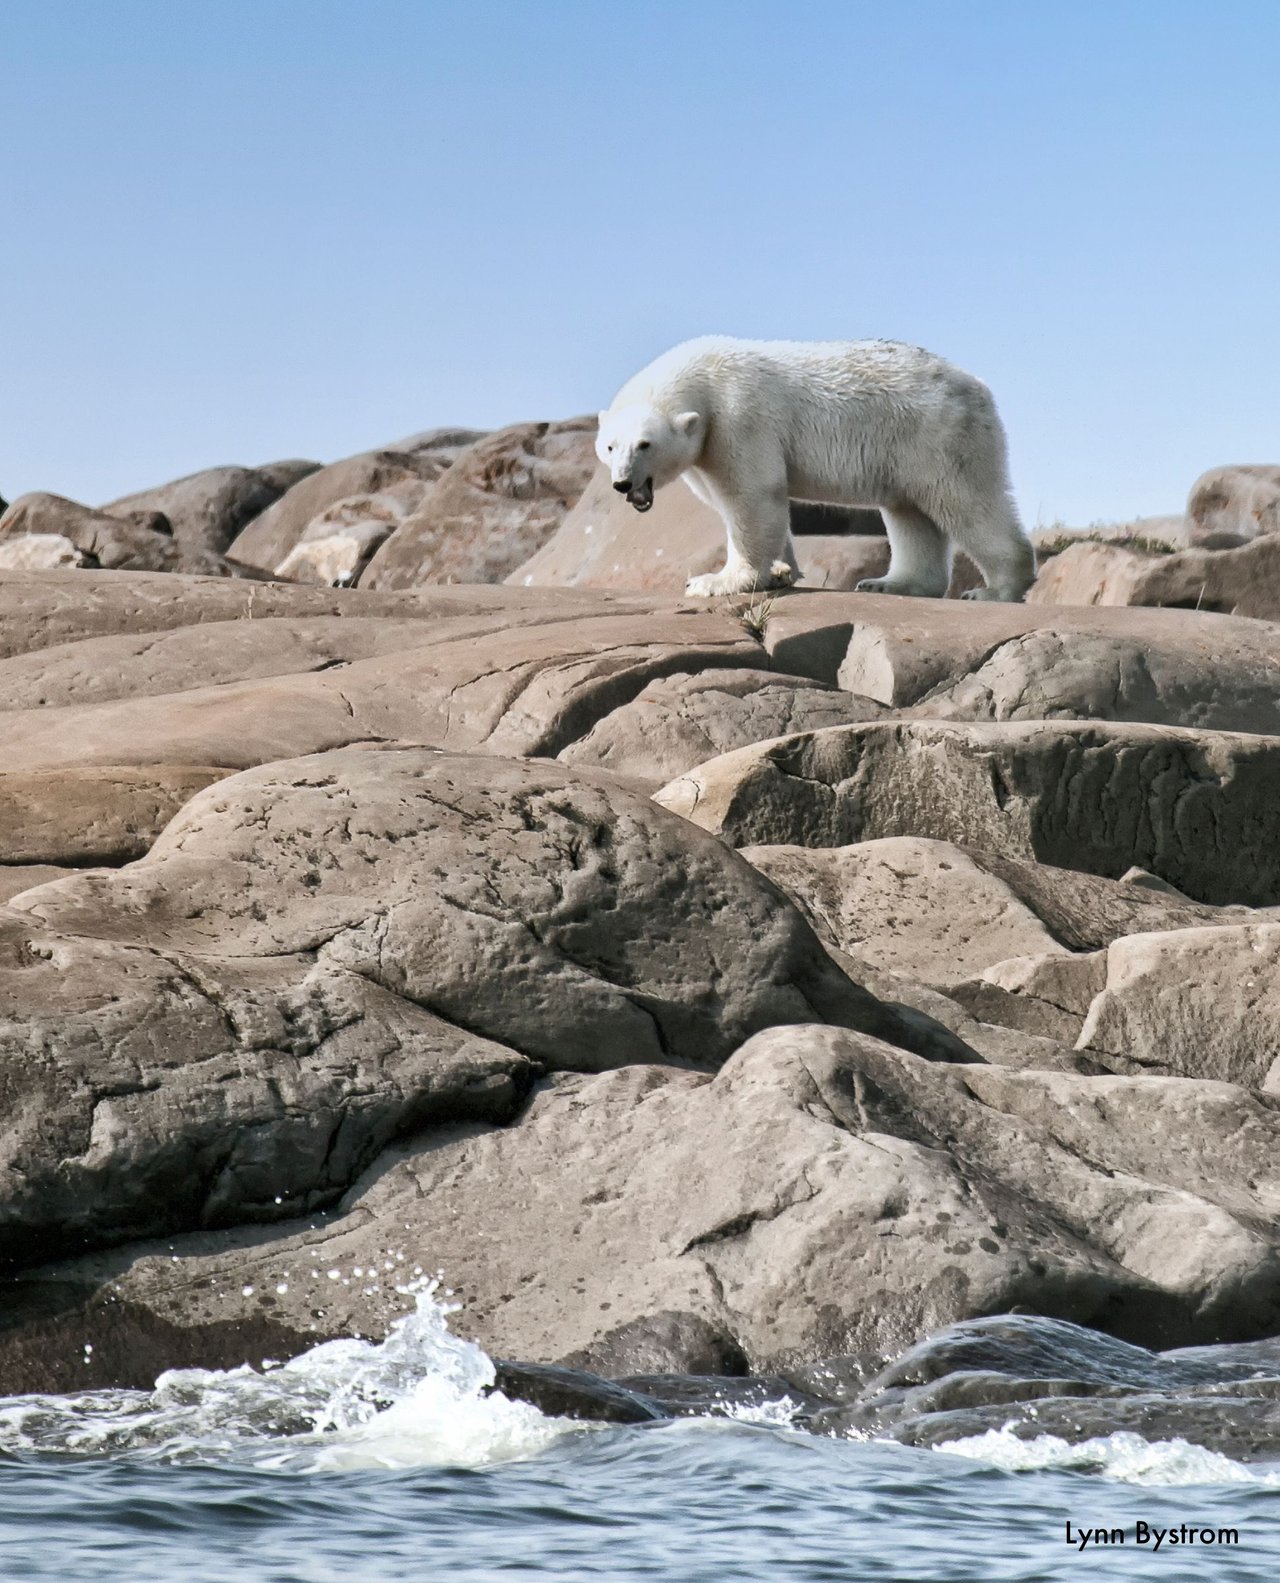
point(746, 1199)
point(678, 721)
point(101, 540)
point(17, 877)
point(102, 815)
point(41, 609)
point(960, 660)
point(270, 536)
point(40, 552)
point(338, 544)
point(1233, 503)
point(520, 692)
point(1194, 807)
point(1242, 582)
point(206, 510)
point(921, 908)
point(231, 1028)
point(1197, 1003)
point(495, 507)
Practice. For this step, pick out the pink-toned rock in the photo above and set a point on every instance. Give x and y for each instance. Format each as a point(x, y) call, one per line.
point(206, 510)
point(134, 544)
point(1231, 505)
point(269, 537)
point(1243, 581)
point(495, 507)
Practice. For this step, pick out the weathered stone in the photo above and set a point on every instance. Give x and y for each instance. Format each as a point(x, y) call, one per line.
point(1196, 1003)
point(1237, 503)
point(921, 908)
point(338, 544)
point(572, 1393)
point(243, 1018)
point(40, 552)
point(208, 509)
point(267, 539)
point(1244, 581)
point(520, 692)
point(41, 610)
point(677, 721)
point(662, 1344)
point(494, 508)
point(959, 660)
point(749, 1197)
point(101, 815)
point(17, 877)
point(1197, 808)
point(101, 540)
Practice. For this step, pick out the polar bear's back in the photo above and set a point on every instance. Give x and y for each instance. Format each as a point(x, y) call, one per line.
point(803, 380)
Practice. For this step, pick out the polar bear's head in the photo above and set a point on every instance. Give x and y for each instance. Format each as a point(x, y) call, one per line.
point(644, 448)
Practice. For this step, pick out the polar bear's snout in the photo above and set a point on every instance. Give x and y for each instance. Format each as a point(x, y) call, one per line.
point(639, 492)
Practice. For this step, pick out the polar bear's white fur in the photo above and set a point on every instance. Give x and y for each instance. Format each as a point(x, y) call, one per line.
point(751, 424)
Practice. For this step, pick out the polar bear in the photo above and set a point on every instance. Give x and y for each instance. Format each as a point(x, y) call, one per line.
point(751, 424)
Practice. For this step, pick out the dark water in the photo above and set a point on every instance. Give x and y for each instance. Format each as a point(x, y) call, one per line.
point(358, 1464)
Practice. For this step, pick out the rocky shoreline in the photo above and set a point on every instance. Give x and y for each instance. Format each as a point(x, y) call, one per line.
point(870, 1001)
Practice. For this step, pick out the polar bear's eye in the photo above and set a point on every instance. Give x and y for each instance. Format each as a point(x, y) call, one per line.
point(643, 445)
point(608, 447)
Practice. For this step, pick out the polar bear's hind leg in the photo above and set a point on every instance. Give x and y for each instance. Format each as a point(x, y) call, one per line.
point(919, 561)
point(991, 535)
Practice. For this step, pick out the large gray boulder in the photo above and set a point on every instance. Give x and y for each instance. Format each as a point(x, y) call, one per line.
point(206, 510)
point(675, 722)
point(1197, 808)
point(823, 1193)
point(1229, 506)
point(318, 956)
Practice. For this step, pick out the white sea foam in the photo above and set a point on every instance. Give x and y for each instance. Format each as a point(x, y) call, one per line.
point(1123, 1456)
point(416, 1399)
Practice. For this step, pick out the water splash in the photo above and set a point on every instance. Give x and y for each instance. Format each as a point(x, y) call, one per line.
point(418, 1398)
point(1122, 1456)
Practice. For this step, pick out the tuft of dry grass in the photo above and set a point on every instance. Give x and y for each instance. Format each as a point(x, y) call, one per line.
point(1045, 548)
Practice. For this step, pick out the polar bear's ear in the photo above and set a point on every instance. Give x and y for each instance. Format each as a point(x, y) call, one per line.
point(600, 417)
point(685, 422)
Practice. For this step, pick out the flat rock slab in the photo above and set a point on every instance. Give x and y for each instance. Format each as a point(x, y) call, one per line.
point(40, 609)
point(99, 815)
point(506, 688)
point(317, 956)
point(822, 1194)
point(953, 659)
point(1200, 809)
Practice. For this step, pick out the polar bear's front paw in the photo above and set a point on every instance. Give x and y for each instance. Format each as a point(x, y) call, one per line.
point(874, 585)
point(745, 581)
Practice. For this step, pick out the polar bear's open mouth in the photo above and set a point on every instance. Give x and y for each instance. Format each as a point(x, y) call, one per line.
point(641, 496)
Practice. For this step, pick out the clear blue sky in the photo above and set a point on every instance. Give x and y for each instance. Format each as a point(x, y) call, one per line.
point(246, 229)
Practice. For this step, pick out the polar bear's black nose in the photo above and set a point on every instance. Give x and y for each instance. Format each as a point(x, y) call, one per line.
point(622, 485)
